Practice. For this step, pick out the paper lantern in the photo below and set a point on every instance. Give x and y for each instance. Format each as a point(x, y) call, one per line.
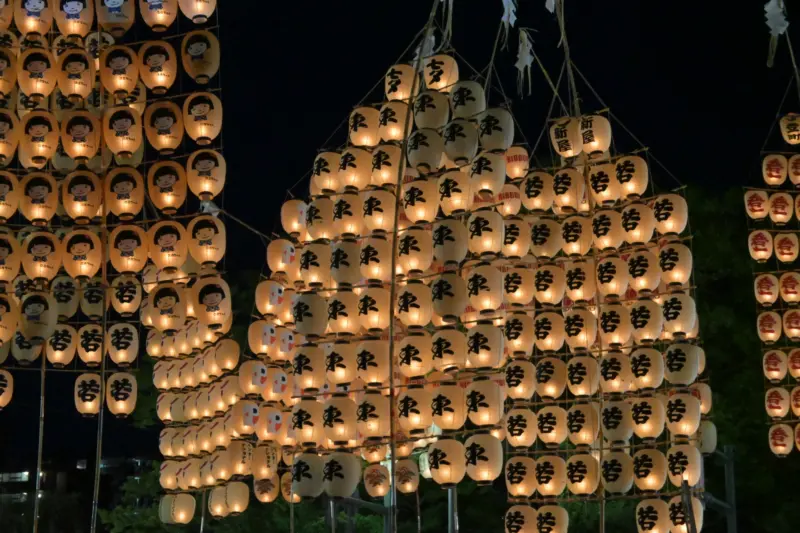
point(413, 355)
point(10, 192)
point(398, 82)
point(775, 365)
point(671, 214)
point(521, 427)
point(414, 304)
point(199, 11)
point(780, 439)
point(537, 191)
point(583, 424)
point(119, 69)
point(565, 135)
point(488, 173)
point(116, 16)
point(605, 189)
point(159, 14)
point(638, 223)
point(774, 169)
point(616, 421)
point(364, 123)
point(207, 244)
point(788, 282)
point(10, 133)
point(441, 71)
point(683, 414)
point(615, 372)
point(647, 367)
point(309, 367)
point(81, 136)
point(777, 402)
point(549, 284)
point(74, 18)
point(414, 410)
point(579, 281)
point(205, 174)
point(32, 18)
point(679, 314)
point(217, 502)
point(449, 406)
point(10, 257)
point(582, 474)
point(546, 239)
point(341, 474)
point(91, 345)
point(376, 480)
point(307, 475)
point(681, 361)
point(41, 255)
point(485, 344)
point(607, 230)
point(652, 515)
point(520, 519)
point(200, 55)
point(24, 350)
point(449, 349)
point(519, 331)
point(340, 362)
point(128, 248)
point(61, 346)
point(460, 141)
point(158, 68)
point(780, 208)
point(617, 472)
point(168, 246)
point(82, 253)
point(40, 197)
point(8, 62)
point(124, 192)
point(424, 150)
point(65, 293)
point(760, 244)
point(431, 110)
point(455, 192)
point(41, 135)
point(679, 516)
point(122, 344)
point(325, 174)
point(202, 116)
point(122, 131)
point(164, 126)
point(121, 393)
point(339, 419)
point(446, 460)
point(615, 325)
point(576, 233)
point(649, 470)
point(169, 300)
point(612, 277)
point(551, 476)
point(647, 321)
point(94, 300)
point(450, 241)
point(484, 457)
point(87, 394)
point(582, 376)
point(166, 182)
point(756, 204)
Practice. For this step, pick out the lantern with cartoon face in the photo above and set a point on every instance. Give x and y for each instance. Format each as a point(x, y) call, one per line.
point(211, 300)
point(116, 16)
point(124, 192)
point(164, 126)
point(205, 174)
point(166, 182)
point(41, 135)
point(200, 55)
point(10, 133)
point(10, 257)
point(82, 196)
point(122, 131)
point(169, 303)
point(34, 18)
point(74, 17)
point(81, 136)
point(119, 70)
point(158, 68)
point(128, 248)
point(168, 245)
point(82, 254)
point(42, 255)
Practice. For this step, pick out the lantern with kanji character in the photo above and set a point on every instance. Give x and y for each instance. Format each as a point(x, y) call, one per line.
point(414, 251)
point(769, 326)
point(633, 175)
point(679, 516)
point(646, 320)
point(616, 469)
point(521, 427)
point(376, 480)
point(652, 515)
point(760, 243)
point(122, 344)
point(780, 439)
point(446, 460)
point(61, 346)
point(484, 457)
point(449, 295)
point(414, 304)
point(680, 314)
point(202, 117)
point(520, 519)
point(87, 394)
point(398, 82)
point(450, 241)
point(607, 230)
point(546, 238)
point(307, 475)
point(122, 131)
point(551, 423)
point(582, 376)
point(615, 372)
point(413, 354)
point(441, 72)
point(431, 110)
point(495, 129)
point(788, 282)
point(780, 208)
point(756, 204)
point(121, 392)
point(612, 277)
point(775, 365)
point(576, 235)
point(649, 470)
point(354, 168)
point(341, 474)
point(485, 343)
point(648, 417)
point(460, 141)
point(425, 150)
point(647, 367)
point(774, 169)
point(616, 421)
point(683, 414)
point(537, 191)
point(671, 214)
point(551, 377)
point(605, 189)
point(372, 414)
point(565, 135)
point(421, 200)
point(414, 409)
point(595, 134)
point(449, 347)
point(579, 281)
point(307, 422)
point(777, 402)
point(681, 362)
point(91, 345)
point(339, 419)
point(488, 173)
point(449, 406)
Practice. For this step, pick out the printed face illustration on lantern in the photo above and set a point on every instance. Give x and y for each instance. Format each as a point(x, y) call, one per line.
point(211, 296)
point(37, 190)
point(287, 341)
point(205, 163)
point(127, 242)
point(34, 307)
point(5, 188)
point(165, 178)
point(165, 300)
point(4, 61)
point(204, 232)
point(5, 250)
point(196, 47)
point(250, 416)
point(37, 128)
point(35, 65)
point(121, 122)
point(201, 107)
point(114, 6)
point(79, 247)
point(80, 187)
point(155, 57)
point(6, 125)
point(73, 8)
point(122, 185)
point(162, 120)
point(275, 422)
point(79, 129)
point(276, 295)
point(75, 65)
point(40, 248)
point(33, 8)
point(166, 238)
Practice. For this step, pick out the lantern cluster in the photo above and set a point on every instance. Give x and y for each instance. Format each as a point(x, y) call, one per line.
point(431, 273)
point(772, 241)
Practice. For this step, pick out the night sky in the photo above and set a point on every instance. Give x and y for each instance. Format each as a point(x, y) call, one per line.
point(689, 79)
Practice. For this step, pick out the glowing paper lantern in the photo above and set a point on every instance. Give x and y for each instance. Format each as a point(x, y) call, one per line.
point(33, 18)
point(158, 14)
point(774, 169)
point(87, 394)
point(211, 300)
point(128, 248)
point(780, 439)
point(119, 69)
point(121, 393)
point(41, 255)
point(168, 246)
point(168, 299)
point(41, 135)
point(202, 116)
point(122, 131)
point(124, 192)
point(10, 257)
point(83, 254)
point(200, 54)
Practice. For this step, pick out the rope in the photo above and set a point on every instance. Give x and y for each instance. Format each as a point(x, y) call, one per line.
point(570, 74)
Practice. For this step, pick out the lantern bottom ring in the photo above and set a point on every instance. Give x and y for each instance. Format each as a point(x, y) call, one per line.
point(203, 141)
point(202, 79)
point(125, 154)
point(160, 89)
point(166, 151)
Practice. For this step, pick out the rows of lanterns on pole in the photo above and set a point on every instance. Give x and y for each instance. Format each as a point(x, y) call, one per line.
point(773, 245)
point(498, 331)
point(78, 107)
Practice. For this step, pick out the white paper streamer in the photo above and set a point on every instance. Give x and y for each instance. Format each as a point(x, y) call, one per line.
point(550, 5)
point(509, 19)
point(524, 61)
point(447, 14)
point(776, 18)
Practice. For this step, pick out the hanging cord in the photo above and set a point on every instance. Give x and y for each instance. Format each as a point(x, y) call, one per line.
point(488, 83)
point(550, 110)
point(624, 127)
point(774, 44)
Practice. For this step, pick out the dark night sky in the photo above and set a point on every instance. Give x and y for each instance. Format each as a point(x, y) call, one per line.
point(689, 79)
